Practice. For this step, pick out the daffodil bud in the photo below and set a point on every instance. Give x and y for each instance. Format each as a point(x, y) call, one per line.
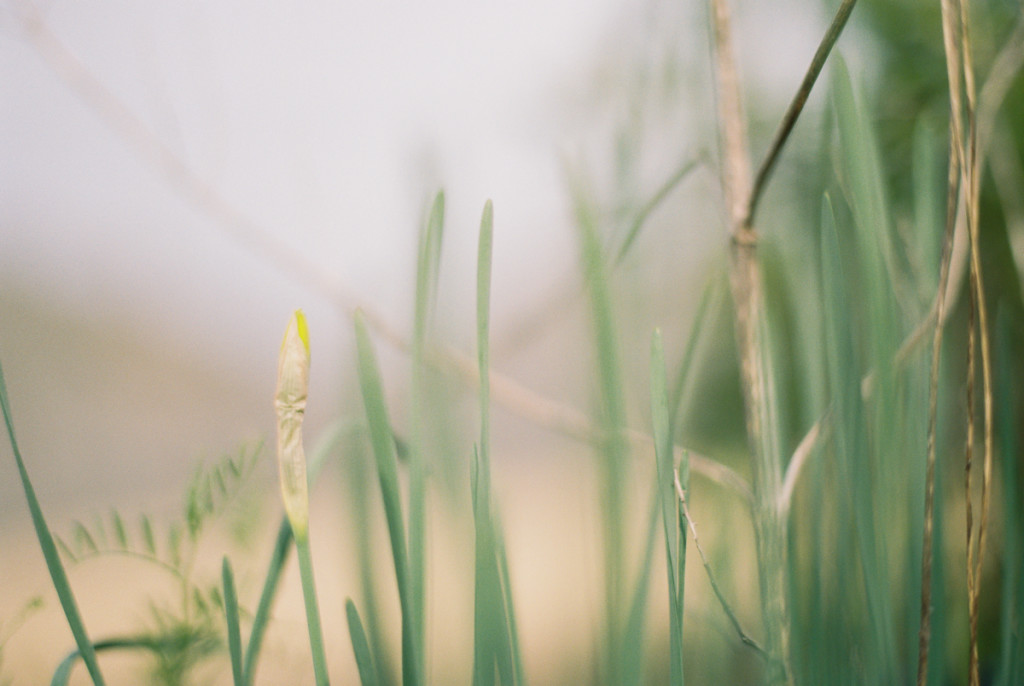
point(290, 406)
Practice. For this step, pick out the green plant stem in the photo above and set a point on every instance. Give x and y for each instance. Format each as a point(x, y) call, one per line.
point(316, 639)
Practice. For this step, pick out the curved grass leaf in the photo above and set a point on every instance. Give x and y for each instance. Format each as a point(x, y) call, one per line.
point(49, 549)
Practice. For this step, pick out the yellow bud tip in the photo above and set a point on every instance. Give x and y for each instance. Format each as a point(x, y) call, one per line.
point(298, 320)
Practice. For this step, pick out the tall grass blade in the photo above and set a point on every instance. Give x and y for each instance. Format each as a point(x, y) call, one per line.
point(614, 449)
point(675, 538)
point(49, 549)
point(427, 273)
point(495, 646)
point(383, 443)
point(504, 579)
point(360, 646)
point(850, 430)
point(231, 615)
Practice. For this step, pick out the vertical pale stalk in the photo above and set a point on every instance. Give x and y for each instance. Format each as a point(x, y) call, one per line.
point(290, 406)
point(960, 73)
point(766, 469)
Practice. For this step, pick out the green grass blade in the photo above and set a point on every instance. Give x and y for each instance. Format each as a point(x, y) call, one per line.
point(852, 448)
point(519, 676)
point(674, 542)
point(231, 615)
point(382, 441)
point(495, 643)
point(614, 450)
point(427, 273)
point(484, 609)
point(49, 549)
point(270, 584)
point(360, 646)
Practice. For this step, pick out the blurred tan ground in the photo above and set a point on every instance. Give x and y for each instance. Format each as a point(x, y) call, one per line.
point(108, 421)
point(548, 507)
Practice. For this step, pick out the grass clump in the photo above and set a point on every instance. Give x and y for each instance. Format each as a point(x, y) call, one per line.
point(857, 357)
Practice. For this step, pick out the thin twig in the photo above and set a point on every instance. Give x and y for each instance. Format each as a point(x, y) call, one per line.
point(796, 106)
point(743, 635)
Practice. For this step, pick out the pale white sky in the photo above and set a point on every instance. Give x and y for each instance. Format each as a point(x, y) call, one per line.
point(327, 125)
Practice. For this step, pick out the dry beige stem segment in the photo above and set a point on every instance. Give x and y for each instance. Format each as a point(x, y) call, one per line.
point(290, 407)
point(766, 471)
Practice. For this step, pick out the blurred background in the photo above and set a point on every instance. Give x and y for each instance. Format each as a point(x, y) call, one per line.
point(176, 178)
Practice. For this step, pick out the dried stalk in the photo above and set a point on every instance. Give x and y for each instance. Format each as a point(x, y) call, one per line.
point(960, 72)
point(924, 632)
point(769, 528)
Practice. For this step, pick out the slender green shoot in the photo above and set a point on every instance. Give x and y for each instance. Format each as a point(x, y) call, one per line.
point(316, 639)
point(382, 440)
point(427, 273)
point(495, 647)
point(675, 539)
point(613, 447)
point(49, 549)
